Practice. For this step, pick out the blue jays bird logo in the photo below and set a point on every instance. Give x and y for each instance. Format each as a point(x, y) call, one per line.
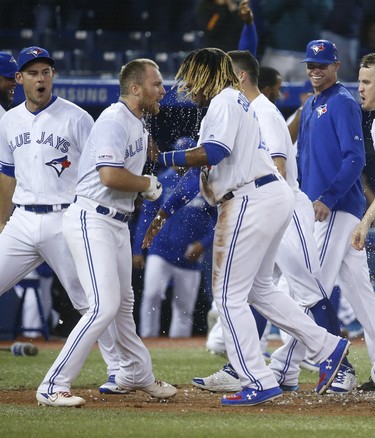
point(316, 48)
point(321, 110)
point(59, 164)
point(34, 52)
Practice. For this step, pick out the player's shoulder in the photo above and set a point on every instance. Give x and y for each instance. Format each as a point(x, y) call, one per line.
point(228, 95)
point(261, 103)
point(342, 94)
point(67, 105)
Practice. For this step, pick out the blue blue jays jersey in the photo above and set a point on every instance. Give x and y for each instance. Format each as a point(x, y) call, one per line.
point(331, 152)
point(194, 222)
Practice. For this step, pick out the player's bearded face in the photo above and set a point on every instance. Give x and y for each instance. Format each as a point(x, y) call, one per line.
point(152, 91)
point(200, 99)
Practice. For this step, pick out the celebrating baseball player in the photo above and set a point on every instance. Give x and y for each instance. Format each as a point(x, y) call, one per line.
point(366, 90)
point(255, 206)
point(331, 156)
point(41, 141)
point(297, 256)
point(96, 229)
point(8, 69)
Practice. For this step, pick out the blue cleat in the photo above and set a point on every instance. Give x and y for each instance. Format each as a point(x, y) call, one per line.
point(330, 367)
point(251, 397)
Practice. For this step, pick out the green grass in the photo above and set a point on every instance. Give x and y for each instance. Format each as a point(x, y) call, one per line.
point(177, 366)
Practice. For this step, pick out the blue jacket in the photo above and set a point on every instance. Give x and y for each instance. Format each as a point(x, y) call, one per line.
point(194, 222)
point(331, 152)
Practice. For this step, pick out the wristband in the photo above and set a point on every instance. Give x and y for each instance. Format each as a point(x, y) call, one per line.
point(173, 158)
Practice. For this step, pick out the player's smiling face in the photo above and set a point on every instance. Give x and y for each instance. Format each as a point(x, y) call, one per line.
point(37, 82)
point(151, 91)
point(322, 76)
point(366, 87)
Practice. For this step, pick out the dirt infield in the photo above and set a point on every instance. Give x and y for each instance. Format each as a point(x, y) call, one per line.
point(193, 399)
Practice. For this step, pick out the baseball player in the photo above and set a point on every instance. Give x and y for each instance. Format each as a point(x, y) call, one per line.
point(297, 256)
point(96, 230)
point(331, 156)
point(41, 141)
point(255, 206)
point(8, 69)
point(175, 256)
point(366, 90)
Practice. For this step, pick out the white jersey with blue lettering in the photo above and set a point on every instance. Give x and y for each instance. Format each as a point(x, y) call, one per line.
point(44, 149)
point(238, 131)
point(118, 139)
point(373, 132)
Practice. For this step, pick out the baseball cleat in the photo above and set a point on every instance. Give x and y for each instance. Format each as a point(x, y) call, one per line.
point(289, 388)
point(158, 389)
point(224, 380)
point(367, 386)
point(59, 399)
point(309, 365)
point(251, 397)
point(344, 382)
point(330, 367)
point(111, 387)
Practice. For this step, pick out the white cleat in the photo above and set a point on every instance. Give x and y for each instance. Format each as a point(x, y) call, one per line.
point(344, 382)
point(158, 389)
point(224, 380)
point(59, 399)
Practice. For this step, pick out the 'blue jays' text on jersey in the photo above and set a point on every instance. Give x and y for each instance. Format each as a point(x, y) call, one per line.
point(194, 222)
point(331, 152)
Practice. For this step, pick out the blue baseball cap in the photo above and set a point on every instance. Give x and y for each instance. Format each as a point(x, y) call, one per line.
point(8, 65)
point(184, 143)
point(34, 53)
point(321, 52)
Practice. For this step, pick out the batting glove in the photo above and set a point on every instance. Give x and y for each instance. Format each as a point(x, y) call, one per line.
point(155, 189)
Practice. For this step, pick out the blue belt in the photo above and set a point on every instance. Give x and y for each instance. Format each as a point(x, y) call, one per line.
point(259, 182)
point(41, 209)
point(122, 217)
point(263, 180)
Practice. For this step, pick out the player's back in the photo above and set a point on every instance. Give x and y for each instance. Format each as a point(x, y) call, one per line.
point(231, 123)
point(276, 136)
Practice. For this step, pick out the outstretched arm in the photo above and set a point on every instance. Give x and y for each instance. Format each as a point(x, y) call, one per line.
point(185, 191)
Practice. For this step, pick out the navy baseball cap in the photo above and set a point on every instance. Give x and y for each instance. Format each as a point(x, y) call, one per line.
point(8, 65)
point(321, 52)
point(184, 143)
point(34, 53)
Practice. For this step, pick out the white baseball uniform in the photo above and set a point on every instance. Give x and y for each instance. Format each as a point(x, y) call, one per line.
point(42, 150)
point(255, 208)
point(96, 230)
point(297, 255)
